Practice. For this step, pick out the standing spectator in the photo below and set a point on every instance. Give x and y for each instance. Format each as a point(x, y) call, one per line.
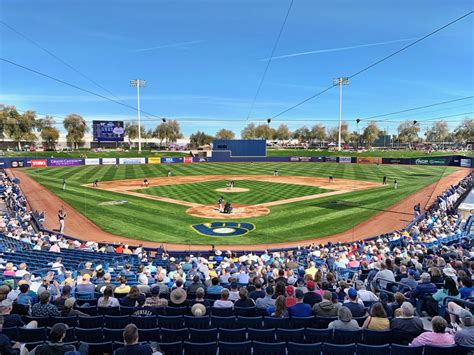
point(437, 337)
point(344, 320)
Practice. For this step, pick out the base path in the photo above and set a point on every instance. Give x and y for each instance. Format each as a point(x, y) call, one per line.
point(395, 217)
point(238, 211)
point(233, 190)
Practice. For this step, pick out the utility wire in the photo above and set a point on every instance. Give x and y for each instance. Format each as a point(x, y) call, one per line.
point(269, 61)
point(376, 63)
point(75, 86)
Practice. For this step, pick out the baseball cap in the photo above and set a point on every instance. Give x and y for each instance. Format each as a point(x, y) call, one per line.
point(412, 272)
point(352, 293)
point(310, 285)
point(22, 282)
point(290, 290)
point(466, 317)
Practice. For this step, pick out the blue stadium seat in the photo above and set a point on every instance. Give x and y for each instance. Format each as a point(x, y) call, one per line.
point(191, 348)
point(347, 336)
point(444, 350)
point(245, 311)
point(223, 322)
point(108, 311)
point(262, 335)
point(126, 311)
point(323, 322)
point(197, 322)
point(232, 335)
point(149, 334)
point(260, 348)
point(249, 322)
point(286, 335)
point(171, 322)
point(112, 334)
point(403, 338)
point(101, 348)
point(276, 322)
point(42, 321)
point(11, 332)
point(91, 322)
point(339, 349)
point(27, 335)
point(397, 349)
point(144, 322)
point(304, 349)
point(173, 335)
point(313, 335)
point(92, 335)
point(176, 311)
point(69, 321)
point(235, 348)
point(203, 335)
point(174, 348)
point(364, 349)
point(222, 312)
point(377, 337)
point(303, 322)
point(116, 322)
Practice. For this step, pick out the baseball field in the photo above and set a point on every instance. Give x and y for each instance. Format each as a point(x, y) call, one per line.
point(298, 204)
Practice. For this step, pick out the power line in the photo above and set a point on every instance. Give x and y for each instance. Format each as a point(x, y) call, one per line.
point(375, 63)
point(74, 86)
point(269, 61)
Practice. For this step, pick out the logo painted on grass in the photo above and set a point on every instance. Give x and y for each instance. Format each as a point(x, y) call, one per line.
point(223, 229)
point(113, 203)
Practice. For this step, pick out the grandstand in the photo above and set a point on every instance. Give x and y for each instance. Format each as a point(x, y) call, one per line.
point(303, 300)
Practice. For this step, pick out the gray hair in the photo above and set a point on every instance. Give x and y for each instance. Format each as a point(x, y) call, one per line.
point(344, 314)
point(425, 277)
point(407, 309)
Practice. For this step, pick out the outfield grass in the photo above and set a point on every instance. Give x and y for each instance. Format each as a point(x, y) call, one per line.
point(259, 192)
point(159, 221)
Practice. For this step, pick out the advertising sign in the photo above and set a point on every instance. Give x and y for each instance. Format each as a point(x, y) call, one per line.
point(330, 159)
point(108, 131)
point(171, 160)
point(187, 160)
point(109, 161)
point(466, 163)
point(345, 160)
point(317, 159)
point(301, 159)
point(38, 163)
point(154, 160)
point(17, 163)
point(65, 162)
point(92, 161)
point(430, 161)
point(396, 161)
point(132, 160)
point(369, 160)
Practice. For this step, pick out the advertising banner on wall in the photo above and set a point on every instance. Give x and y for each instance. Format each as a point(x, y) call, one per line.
point(38, 163)
point(132, 161)
point(369, 160)
point(171, 160)
point(65, 162)
point(92, 161)
point(396, 160)
point(345, 160)
point(187, 160)
point(466, 163)
point(154, 160)
point(300, 159)
point(17, 164)
point(330, 159)
point(429, 161)
point(109, 161)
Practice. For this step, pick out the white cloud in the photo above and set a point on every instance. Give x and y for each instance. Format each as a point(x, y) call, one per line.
point(171, 45)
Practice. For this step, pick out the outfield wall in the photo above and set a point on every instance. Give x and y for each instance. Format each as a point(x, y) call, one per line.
point(224, 157)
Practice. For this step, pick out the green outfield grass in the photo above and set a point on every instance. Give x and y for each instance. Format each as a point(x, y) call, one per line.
point(259, 192)
point(159, 221)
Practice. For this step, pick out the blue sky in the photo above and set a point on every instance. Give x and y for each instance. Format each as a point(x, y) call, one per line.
point(203, 60)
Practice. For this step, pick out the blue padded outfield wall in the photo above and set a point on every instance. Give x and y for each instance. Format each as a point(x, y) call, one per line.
point(242, 148)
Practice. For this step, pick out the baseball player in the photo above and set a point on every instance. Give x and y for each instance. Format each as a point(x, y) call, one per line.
point(331, 178)
point(275, 172)
point(64, 185)
point(384, 180)
point(61, 216)
point(145, 183)
point(95, 183)
point(169, 173)
point(219, 203)
point(395, 184)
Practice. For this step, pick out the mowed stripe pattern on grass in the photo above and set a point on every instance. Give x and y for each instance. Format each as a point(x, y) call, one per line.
point(259, 192)
point(159, 221)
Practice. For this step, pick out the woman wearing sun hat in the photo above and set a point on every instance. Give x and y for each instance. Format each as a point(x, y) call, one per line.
point(178, 298)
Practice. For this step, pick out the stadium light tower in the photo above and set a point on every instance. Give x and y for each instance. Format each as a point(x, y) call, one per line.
point(340, 81)
point(138, 83)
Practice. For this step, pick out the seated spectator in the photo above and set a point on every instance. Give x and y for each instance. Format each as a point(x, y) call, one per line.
point(44, 308)
point(12, 320)
point(290, 299)
point(143, 311)
point(464, 335)
point(244, 300)
point(26, 296)
point(409, 281)
point(435, 275)
point(130, 338)
point(85, 285)
point(198, 310)
point(385, 276)
point(195, 285)
point(123, 287)
point(9, 270)
point(224, 301)
point(155, 300)
point(449, 290)
point(300, 309)
point(178, 298)
point(326, 308)
point(50, 285)
point(279, 310)
point(466, 289)
point(234, 292)
point(55, 345)
point(344, 320)
point(407, 322)
point(437, 337)
point(364, 294)
point(267, 301)
point(258, 292)
point(377, 319)
point(357, 309)
point(200, 298)
point(22, 270)
point(399, 299)
point(311, 297)
point(69, 311)
point(215, 288)
point(424, 289)
point(107, 300)
point(133, 297)
point(106, 281)
point(65, 294)
point(87, 269)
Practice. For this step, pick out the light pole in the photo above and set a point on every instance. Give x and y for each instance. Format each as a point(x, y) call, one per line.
point(340, 81)
point(358, 133)
point(138, 83)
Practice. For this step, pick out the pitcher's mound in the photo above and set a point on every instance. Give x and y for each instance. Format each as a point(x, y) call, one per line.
point(239, 211)
point(234, 189)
